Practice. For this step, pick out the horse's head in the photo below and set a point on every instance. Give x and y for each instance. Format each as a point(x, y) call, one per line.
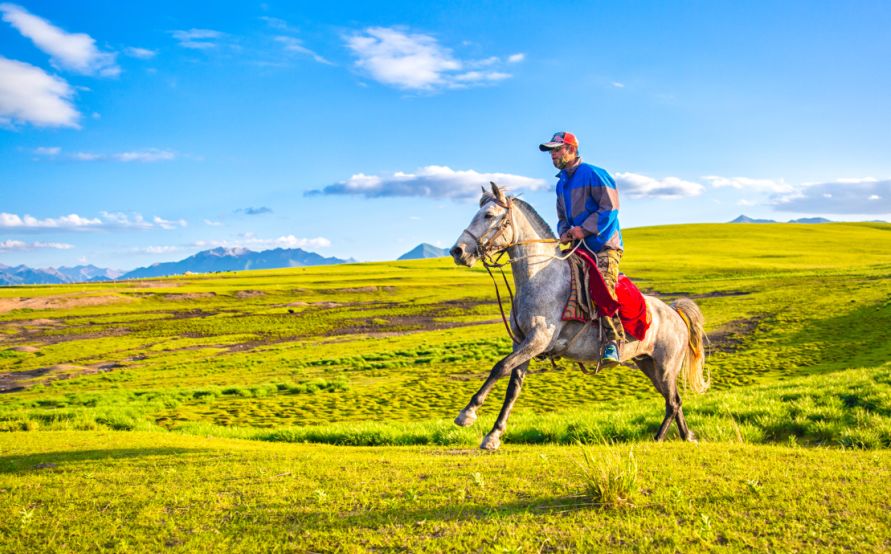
point(487, 230)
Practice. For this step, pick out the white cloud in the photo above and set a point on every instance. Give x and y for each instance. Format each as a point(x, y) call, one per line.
point(27, 222)
point(746, 203)
point(481, 76)
point(72, 51)
point(17, 245)
point(213, 223)
point(668, 188)
point(291, 44)
point(159, 249)
point(516, 58)
point(168, 225)
point(842, 196)
point(198, 39)
point(148, 155)
point(276, 23)
point(141, 53)
point(747, 183)
point(47, 150)
point(249, 240)
point(74, 222)
point(432, 181)
point(290, 241)
point(30, 95)
point(86, 156)
point(415, 61)
point(617, 84)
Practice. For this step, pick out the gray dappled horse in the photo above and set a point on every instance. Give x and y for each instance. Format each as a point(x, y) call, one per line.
point(673, 344)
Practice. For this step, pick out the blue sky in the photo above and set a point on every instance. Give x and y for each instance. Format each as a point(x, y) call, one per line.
point(134, 133)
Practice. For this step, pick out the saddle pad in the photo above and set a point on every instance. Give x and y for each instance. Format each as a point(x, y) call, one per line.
point(588, 288)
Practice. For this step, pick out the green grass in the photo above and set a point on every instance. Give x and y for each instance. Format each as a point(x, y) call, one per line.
point(235, 408)
point(79, 491)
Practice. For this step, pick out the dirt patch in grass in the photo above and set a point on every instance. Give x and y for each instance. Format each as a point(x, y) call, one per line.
point(191, 314)
point(40, 336)
point(249, 293)
point(58, 302)
point(401, 325)
point(28, 349)
point(21, 380)
point(693, 295)
point(359, 289)
point(189, 295)
point(730, 336)
point(153, 284)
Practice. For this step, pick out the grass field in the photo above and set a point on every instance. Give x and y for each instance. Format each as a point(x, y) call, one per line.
point(155, 413)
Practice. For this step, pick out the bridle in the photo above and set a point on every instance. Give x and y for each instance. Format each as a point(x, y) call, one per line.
point(485, 244)
point(490, 255)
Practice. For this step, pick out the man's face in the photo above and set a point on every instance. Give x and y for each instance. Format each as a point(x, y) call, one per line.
point(562, 156)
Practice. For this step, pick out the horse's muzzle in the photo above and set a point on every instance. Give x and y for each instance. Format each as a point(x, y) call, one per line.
point(462, 255)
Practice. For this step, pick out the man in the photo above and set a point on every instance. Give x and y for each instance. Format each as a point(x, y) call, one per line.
point(588, 210)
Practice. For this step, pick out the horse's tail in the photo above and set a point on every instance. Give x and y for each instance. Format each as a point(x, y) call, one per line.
point(694, 358)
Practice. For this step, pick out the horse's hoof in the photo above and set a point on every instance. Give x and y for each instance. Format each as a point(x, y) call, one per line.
point(465, 419)
point(691, 437)
point(490, 443)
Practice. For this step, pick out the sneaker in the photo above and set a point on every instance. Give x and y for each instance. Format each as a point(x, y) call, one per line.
point(610, 355)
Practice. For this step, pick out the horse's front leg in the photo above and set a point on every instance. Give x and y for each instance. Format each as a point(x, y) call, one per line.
point(535, 344)
point(467, 416)
point(493, 440)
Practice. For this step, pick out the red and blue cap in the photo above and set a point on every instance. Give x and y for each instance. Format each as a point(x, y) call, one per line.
point(560, 139)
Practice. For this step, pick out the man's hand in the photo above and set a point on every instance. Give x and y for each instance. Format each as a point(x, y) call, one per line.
point(574, 233)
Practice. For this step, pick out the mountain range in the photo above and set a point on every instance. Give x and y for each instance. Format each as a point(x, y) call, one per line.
point(218, 259)
point(747, 219)
point(235, 259)
point(24, 275)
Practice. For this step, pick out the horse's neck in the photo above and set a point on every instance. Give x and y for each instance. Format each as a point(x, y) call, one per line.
point(530, 257)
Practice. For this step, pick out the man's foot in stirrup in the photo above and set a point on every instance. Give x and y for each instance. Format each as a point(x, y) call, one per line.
point(610, 356)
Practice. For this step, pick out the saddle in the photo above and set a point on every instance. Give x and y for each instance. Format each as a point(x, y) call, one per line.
point(589, 297)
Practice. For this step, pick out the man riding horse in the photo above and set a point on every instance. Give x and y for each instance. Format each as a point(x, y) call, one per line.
point(588, 210)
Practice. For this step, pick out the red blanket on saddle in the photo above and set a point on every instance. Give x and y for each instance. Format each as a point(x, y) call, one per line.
point(631, 305)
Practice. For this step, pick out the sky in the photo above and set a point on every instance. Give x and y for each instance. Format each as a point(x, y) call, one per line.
point(133, 133)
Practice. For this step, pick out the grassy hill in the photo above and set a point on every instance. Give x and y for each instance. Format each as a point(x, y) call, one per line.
point(387, 353)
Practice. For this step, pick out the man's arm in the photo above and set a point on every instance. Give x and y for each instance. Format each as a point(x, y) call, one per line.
point(562, 224)
point(606, 196)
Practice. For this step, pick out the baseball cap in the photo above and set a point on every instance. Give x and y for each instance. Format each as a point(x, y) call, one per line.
point(558, 140)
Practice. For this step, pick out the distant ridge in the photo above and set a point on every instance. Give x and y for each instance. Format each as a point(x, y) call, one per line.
point(747, 219)
point(235, 259)
point(424, 250)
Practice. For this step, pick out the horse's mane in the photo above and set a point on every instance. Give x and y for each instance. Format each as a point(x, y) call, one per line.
point(541, 226)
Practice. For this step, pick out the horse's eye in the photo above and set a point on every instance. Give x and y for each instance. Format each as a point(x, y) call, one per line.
point(489, 216)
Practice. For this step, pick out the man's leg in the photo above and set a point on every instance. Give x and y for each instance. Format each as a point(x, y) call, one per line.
point(608, 264)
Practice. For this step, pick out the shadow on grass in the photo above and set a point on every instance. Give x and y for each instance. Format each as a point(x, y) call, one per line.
point(52, 460)
point(540, 506)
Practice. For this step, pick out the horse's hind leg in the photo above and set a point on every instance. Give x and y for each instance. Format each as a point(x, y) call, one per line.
point(685, 431)
point(667, 385)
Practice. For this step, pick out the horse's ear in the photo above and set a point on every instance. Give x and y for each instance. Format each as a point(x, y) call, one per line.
point(499, 195)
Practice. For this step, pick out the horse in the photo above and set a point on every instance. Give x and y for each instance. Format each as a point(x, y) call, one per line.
point(671, 347)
